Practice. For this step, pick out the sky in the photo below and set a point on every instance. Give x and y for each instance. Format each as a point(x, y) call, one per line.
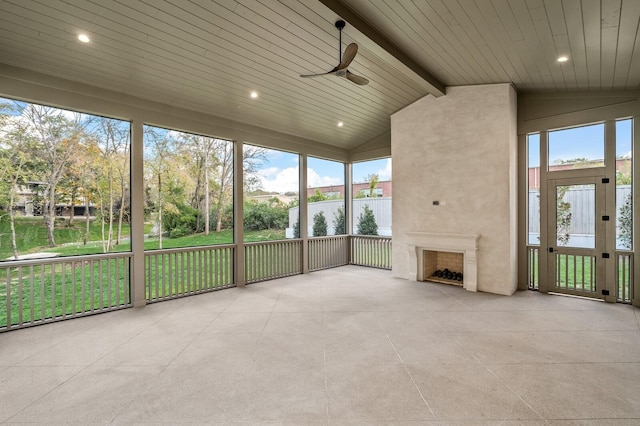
point(279, 172)
point(581, 142)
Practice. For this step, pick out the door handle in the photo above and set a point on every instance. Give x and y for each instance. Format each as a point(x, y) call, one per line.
point(550, 249)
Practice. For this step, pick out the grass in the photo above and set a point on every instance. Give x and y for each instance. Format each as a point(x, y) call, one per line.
point(31, 236)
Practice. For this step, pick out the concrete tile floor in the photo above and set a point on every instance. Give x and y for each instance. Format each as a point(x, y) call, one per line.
point(348, 345)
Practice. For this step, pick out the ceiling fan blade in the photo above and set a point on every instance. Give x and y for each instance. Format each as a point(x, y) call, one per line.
point(356, 79)
point(319, 75)
point(347, 57)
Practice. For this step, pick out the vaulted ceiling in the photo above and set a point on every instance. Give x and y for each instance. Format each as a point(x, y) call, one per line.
point(208, 55)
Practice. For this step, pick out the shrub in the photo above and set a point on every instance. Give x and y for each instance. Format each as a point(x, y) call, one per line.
point(339, 222)
point(319, 225)
point(625, 224)
point(367, 222)
point(182, 222)
point(296, 228)
point(272, 214)
point(563, 218)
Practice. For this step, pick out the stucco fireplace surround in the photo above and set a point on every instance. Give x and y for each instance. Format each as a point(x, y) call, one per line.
point(467, 245)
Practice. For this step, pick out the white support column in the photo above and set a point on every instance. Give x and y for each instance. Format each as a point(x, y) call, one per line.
point(238, 213)
point(348, 204)
point(610, 210)
point(137, 215)
point(543, 255)
point(523, 224)
point(302, 211)
point(636, 212)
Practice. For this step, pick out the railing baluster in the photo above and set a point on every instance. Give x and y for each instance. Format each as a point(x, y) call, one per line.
point(8, 289)
point(43, 297)
point(31, 294)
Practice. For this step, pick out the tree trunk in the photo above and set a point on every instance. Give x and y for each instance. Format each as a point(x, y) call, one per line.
point(120, 217)
point(14, 245)
point(110, 237)
point(87, 220)
point(206, 195)
point(50, 215)
point(104, 247)
point(72, 207)
point(159, 212)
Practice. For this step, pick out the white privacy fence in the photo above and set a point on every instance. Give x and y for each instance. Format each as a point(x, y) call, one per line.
point(381, 208)
point(582, 205)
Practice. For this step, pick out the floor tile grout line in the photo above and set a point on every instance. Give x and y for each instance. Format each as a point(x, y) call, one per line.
point(255, 348)
point(513, 392)
point(163, 368)
point(407, 370)
point(326, 377)
point(84, 368)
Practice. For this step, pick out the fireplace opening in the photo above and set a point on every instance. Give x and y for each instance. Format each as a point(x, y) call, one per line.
point(443, 267)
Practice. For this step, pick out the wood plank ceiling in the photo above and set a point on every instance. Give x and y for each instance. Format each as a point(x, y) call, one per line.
point(208, 55)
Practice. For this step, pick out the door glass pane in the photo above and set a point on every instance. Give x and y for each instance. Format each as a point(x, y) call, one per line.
point(533, 181)
point(624, 166)
point(575, 216)
point(576, 148)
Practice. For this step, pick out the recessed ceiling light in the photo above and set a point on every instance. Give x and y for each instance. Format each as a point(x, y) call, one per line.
point(254, 94)
point(84, 38)
point(562, 59)
point(340, 124)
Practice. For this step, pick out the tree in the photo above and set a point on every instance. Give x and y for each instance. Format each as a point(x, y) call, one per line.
point(367, 222)
point(113, 141)
point(339, 222)
point(625, 223)
point(296, 228)
point(162, 176)
point(317, 196)
point(563, 216)
point(58, 137)
point(15, 162)
point(319, 225)
point(373, 179)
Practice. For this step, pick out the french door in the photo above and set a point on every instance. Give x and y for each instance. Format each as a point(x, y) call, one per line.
point(576, 236)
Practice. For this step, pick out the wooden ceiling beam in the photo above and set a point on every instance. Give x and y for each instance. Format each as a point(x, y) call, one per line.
point(437, 88)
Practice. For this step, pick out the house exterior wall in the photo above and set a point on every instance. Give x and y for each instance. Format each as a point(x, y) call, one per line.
point(385, 187)
point(461, 150)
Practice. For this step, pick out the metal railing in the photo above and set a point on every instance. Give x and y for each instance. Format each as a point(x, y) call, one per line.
point(624, 276)
point(272, 259)
point(171, 273)
point(328, 252)
point(533, 253)
point(370, 251)
point(38, 291)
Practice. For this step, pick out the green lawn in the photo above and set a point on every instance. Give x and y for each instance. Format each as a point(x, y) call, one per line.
point(31, 236)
